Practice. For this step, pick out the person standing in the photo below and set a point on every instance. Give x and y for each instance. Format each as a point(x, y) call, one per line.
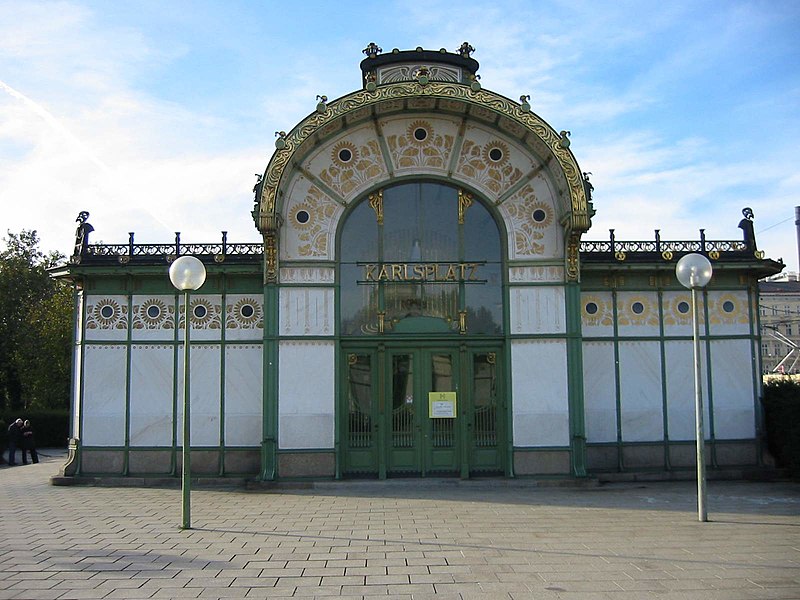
point(14, 441)
point(28, 443)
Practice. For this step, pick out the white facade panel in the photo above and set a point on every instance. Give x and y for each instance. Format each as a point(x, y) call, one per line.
point(680, 390)
point(597, 314)
point(537, 310)
point(732, 385)
point(600, 392)
point(152, 387)
point(306, 392)
point(244, 317)
point(539, 393)
point(103, 405)
point(641, 402)
point(637, 314)
point(307, 311)
point(205, 314)
point(153, 317)
point(243, 395)
point(106, 318)
point(677, 312)
point(204, 395)
point(728, 313)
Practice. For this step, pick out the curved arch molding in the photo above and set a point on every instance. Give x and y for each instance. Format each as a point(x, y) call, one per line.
point(479, 106)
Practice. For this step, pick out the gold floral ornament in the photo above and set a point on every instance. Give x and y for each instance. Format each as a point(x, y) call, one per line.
point(344, 154)
point(246, 313)
point(107, 314)
point(204, 314)
point(153, 314)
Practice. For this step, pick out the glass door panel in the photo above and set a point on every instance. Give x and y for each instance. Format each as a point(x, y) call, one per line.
point(404, 442)
point(360, 454)
point(485, 426)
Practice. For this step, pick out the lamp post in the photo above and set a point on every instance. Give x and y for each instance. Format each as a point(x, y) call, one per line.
point(187, 274)
point(694, 272)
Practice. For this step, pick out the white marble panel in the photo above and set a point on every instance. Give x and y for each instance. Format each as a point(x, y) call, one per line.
point(106, 318)
point(151, 394)
point(539, 393)
point(637, 314)
point(306, 395)
point(244, 396)
point(204, 396)
point(677, 313)
point(153, 317)
point(431, 155)
point(538, 309)
point(244, 317)
point(103, 407)
point(680, 390)
point(306, 311)
point(732, 386)
point(600, 391)
point(597, 314)
point(641, 400)
point(306, 275)
point(728, 313)
point(205, 312)
point(530, 273)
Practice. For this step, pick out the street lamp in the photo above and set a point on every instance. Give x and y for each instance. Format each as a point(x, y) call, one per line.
point(694, 272)
point(187, 274)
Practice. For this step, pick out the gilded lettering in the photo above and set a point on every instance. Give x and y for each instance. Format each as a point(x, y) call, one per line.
point(397, 272)
point(473, 271)
point(430, 271)
point(383, 275)
point(419, 272)
point(451, 273)
point(369, 272)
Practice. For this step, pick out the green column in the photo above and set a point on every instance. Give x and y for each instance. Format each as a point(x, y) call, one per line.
point(577, 426)
point(269, 445)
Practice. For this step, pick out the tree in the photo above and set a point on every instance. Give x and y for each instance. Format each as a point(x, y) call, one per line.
point(35, 327)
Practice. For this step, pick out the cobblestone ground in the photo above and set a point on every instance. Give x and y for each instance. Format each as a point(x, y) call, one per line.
point(398, 539)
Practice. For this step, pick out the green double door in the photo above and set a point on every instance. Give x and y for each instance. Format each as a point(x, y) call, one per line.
point(422, 411)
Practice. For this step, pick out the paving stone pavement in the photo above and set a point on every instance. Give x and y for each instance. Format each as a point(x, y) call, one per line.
point(409, 539)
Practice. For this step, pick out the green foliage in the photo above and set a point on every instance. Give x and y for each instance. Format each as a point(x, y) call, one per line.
point(35, 327)
point(782, 419)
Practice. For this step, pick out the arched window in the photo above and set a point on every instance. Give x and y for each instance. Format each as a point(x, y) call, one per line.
point(420, 258)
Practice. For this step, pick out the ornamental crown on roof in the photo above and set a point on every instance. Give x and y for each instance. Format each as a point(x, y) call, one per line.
point(410, 65)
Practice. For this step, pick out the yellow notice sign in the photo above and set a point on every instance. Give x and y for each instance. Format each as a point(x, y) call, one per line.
point(442, 405)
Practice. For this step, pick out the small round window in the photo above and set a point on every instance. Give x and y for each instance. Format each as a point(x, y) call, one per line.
point(247, 311)
point(591, 308)
point(200, 311)
point(683, 307)
point(107, 312)
point(153, 311)
point(637, 307)
point(420, 134)
point(728, 306)
point(539, 215)
point(496, 154)
point(302, 216)
point(345, 155)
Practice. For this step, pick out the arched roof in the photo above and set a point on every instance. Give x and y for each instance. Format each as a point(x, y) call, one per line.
point(470, 102)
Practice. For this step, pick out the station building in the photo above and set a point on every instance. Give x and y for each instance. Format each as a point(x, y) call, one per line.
point(423, 303)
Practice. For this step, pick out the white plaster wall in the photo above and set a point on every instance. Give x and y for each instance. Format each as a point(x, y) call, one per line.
point(306, 395)
point(641, 402)
point(539, 393)
point(599, 392)
point(306, 311)
point(103, 409)
point(243, 395)
point(538, 309)
point(680, 390)
point(732, 386)
point(151, 395)
point(204, 388)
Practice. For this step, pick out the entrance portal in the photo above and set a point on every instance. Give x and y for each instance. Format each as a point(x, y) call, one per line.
point(432, 411)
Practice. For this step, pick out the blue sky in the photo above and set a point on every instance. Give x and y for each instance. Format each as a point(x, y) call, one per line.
point(154, 116)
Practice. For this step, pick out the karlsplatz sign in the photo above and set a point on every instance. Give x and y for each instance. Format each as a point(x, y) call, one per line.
point(431, 272)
